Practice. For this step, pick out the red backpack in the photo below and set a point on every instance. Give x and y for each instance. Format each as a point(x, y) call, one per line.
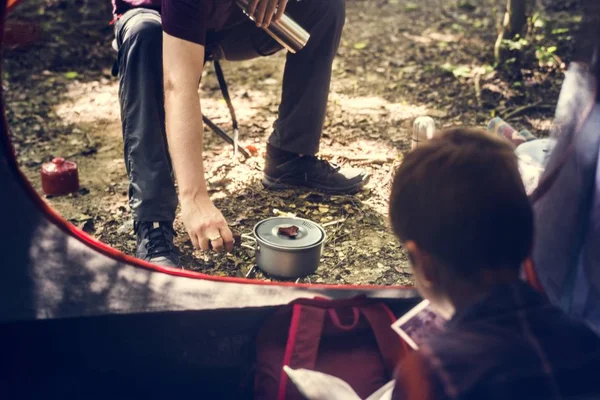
point(350, 339)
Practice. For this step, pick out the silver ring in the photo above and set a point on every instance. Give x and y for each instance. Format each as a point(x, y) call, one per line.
point(215, 238)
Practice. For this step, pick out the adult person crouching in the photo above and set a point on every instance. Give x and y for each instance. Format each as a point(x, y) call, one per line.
point(165, 44)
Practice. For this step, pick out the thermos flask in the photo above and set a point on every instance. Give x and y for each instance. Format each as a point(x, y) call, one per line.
point(423, 129)
point(285, 31)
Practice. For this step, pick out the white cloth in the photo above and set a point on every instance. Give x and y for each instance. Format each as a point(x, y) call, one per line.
point(315, 385)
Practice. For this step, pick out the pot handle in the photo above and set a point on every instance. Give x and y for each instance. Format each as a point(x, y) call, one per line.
point(250, 238)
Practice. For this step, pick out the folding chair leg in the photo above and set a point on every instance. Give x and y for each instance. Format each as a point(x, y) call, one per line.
point(224, 135)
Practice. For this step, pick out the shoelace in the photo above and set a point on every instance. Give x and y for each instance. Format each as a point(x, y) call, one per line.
point(322, 164)
point(158, 244)
point(328, 166)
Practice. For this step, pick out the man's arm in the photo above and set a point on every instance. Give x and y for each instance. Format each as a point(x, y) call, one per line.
point(183, 62)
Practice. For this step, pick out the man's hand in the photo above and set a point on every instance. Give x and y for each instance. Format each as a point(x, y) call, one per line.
point(266, 11)
point(205, 223)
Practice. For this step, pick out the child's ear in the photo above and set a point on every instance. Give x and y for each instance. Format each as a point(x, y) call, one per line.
point(422, 263)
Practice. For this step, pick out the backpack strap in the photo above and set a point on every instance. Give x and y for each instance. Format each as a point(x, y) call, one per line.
point(304, 338)
point(391, 347)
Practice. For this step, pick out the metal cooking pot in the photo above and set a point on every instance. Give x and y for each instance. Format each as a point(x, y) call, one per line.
point(287, 247)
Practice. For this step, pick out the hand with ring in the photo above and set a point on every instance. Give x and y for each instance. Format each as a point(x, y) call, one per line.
point(213, 240)
point(205, 225)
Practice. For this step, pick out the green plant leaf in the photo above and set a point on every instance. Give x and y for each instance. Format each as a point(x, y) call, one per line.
point(462, 71)
point(411, 7)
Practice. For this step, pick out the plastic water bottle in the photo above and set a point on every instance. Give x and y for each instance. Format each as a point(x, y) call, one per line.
point(497, 126)
point(423, 129)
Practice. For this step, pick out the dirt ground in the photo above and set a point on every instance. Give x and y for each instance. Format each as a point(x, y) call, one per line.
point(398, 60)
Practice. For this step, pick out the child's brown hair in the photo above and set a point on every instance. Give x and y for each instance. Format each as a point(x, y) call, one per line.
point(460, 198)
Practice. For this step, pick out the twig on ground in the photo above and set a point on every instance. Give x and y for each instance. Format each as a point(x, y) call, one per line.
point(478, 89)
point(380, 158)
point(365, 159)
point(338, 221)
point(85, 152)
point(374, 161)
point(107, 148)
point(520, 110)
point(280, 213)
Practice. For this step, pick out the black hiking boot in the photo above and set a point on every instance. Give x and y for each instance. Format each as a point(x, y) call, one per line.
point(284, 170)
point(155, 243)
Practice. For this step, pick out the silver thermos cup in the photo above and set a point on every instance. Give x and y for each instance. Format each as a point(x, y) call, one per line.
point(285, 31)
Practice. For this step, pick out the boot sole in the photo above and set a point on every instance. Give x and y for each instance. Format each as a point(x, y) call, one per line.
point(272, 184)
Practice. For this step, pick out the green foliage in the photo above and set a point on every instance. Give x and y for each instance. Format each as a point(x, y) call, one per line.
point(537, 21)
point(411, 7)
point(517, 44)
point(546, 55)
point(459, 71)
point(71, 75)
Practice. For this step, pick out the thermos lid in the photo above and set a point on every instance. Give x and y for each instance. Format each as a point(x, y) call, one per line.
point(289, 233)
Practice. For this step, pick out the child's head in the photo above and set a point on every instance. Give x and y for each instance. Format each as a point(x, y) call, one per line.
point(459, 206)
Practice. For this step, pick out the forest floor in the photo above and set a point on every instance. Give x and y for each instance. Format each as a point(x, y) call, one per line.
point(398, 60)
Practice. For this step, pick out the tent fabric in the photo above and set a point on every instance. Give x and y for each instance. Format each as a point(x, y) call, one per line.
point(567, 217)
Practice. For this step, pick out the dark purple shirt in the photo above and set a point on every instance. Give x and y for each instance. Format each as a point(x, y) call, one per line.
point(513, 345)
point(185, 19)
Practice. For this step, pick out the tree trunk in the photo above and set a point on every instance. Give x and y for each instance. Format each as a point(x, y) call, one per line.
point(515, 19)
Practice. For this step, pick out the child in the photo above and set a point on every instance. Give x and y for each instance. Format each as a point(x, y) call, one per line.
point(459, 207)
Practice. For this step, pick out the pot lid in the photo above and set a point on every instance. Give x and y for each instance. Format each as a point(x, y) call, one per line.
point(289, 232)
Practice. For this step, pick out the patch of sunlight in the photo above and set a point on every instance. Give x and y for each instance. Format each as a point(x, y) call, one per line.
point(378, 106)
point(363, 151)
point(417, 38)
point(247, 104)
point(443, 37)
point(428, 37)
point(90, 102)
point(93, 102)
